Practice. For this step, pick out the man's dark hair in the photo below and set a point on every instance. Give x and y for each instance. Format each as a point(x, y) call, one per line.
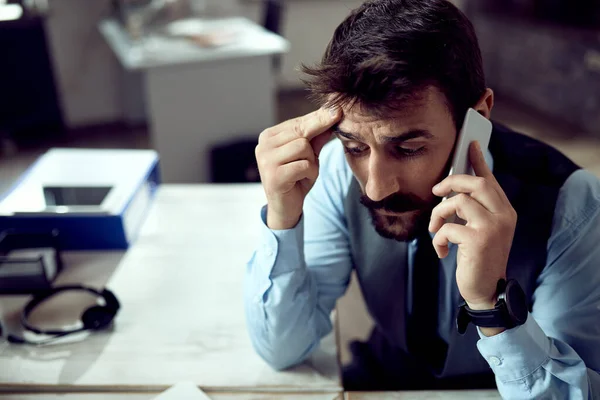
point(387, 51)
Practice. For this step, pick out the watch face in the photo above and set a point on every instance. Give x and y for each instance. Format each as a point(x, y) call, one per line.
point(516, 302)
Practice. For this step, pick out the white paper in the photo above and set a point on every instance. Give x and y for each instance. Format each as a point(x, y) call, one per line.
point(183, 391)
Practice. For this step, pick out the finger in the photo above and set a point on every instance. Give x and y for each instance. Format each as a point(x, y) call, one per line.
point(466, 207)
point(481, 168)
point(320, 122)
point(298, 149)
point(450, 233)
point(294, 172)
point(281, 139)
point(284, 138)
point(313, 124)
point(478, 162)
point(481, 189)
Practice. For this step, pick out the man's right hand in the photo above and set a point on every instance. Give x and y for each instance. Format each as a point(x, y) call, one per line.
point(287, 157)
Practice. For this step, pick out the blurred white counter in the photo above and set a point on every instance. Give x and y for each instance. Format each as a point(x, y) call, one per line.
point(197, 97)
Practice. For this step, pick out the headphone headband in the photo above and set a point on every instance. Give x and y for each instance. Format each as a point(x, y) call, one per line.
point(111, 307)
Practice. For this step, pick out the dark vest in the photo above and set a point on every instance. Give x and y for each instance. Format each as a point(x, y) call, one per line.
point(531, 174)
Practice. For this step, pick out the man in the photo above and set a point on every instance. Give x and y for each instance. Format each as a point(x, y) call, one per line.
point(395, 83)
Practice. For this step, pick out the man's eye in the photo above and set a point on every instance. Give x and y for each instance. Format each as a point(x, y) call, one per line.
point(355, 151)
point(401, 151)
point(410, 152)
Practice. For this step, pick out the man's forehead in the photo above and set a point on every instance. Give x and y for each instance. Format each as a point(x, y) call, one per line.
point(384, 118)
point(394, 123)
point(425, 110)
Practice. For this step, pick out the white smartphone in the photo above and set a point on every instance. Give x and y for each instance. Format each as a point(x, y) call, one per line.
point(476, 128)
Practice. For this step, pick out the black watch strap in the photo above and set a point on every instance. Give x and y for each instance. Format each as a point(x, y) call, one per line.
point(498, 317)
point(494, 318)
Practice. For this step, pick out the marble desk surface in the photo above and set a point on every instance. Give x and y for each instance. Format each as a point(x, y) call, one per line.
point(182, 319)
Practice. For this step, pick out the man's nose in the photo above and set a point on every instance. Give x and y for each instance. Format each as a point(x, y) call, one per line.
point(381, 182)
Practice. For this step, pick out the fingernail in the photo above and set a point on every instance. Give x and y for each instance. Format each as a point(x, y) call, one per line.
point(333, 112)
point(436, 188)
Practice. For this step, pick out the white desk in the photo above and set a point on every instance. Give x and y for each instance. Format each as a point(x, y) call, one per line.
point(199, 97)
point(409, 395)
point(427, 395)
point(182, 319)
point(150, 396)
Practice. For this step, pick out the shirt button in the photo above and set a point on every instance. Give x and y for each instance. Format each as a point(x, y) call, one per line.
point(495, 361)
point(268, 252)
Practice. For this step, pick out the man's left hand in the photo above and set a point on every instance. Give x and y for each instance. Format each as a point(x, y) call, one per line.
point(484, 242)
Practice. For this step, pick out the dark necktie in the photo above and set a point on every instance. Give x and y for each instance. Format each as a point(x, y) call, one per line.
point(423, 339)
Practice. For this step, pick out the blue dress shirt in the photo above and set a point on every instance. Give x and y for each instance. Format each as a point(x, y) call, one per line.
point(295, 277)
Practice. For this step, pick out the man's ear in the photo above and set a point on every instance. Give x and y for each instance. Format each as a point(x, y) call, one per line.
point(485, 104)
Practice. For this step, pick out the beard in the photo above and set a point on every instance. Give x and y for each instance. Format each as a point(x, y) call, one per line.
point(400, 216)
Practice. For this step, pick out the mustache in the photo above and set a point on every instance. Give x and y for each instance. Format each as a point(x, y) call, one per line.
point(396, 203)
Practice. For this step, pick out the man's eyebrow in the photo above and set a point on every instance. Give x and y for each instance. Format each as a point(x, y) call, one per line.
point(412, 134)
point(336, 130)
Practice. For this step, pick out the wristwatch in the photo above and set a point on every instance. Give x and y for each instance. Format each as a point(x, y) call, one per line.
point(510, 311)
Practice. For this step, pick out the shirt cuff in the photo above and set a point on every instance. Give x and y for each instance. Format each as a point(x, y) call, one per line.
point(515, 353)
point(282, 250)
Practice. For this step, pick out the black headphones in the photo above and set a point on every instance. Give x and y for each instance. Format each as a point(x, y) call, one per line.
point(94, 318)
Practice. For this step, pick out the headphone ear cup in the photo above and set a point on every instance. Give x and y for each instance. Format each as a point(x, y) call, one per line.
point(97, 317)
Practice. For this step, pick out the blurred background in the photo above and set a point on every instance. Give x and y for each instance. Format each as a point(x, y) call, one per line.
point(198, 80)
